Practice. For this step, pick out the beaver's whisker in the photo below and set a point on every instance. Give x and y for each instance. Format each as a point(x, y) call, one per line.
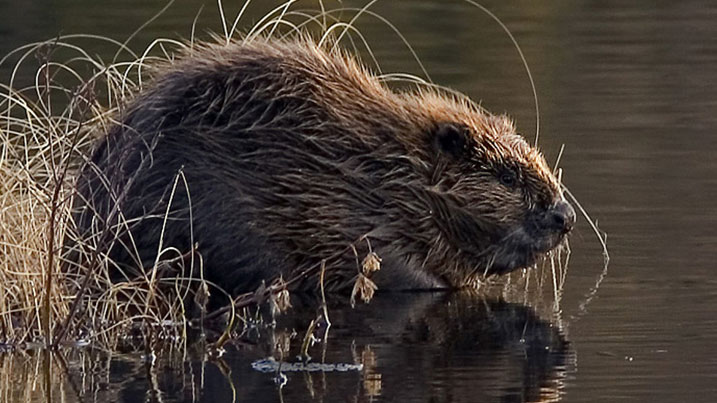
point(557, 162)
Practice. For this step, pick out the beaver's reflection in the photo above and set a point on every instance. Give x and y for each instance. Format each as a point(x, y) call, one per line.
point(416, 347)
point(465, 348)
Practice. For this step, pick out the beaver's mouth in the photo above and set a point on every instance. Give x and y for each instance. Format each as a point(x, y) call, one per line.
point(540, 233)
point(519, 250)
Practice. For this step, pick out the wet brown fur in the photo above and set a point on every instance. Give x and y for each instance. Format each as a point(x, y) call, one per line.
point(292, 153)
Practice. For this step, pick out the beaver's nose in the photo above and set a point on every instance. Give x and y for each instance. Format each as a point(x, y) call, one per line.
point(560, 217)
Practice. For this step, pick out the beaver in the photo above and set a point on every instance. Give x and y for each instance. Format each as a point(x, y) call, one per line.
point(275, 155)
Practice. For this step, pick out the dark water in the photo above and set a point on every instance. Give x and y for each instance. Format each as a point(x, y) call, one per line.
point(629, 89)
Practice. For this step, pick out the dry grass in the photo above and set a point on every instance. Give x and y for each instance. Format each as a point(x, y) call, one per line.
point(45, 130)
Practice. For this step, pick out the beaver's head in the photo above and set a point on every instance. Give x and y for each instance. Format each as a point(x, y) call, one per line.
point(497, 204)
point(460, 192)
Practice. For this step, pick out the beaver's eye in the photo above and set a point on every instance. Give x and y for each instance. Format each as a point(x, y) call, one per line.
point(452, 138)
point(507, 178)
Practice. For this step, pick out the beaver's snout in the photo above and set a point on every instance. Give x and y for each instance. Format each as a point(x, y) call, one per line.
point(547, 228)
point(560, 217)
point(543, 231)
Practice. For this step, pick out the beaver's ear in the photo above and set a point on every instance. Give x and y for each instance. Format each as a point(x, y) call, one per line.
point(451, 138)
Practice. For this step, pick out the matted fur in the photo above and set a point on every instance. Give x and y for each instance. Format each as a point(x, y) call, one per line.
point(292, 153)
